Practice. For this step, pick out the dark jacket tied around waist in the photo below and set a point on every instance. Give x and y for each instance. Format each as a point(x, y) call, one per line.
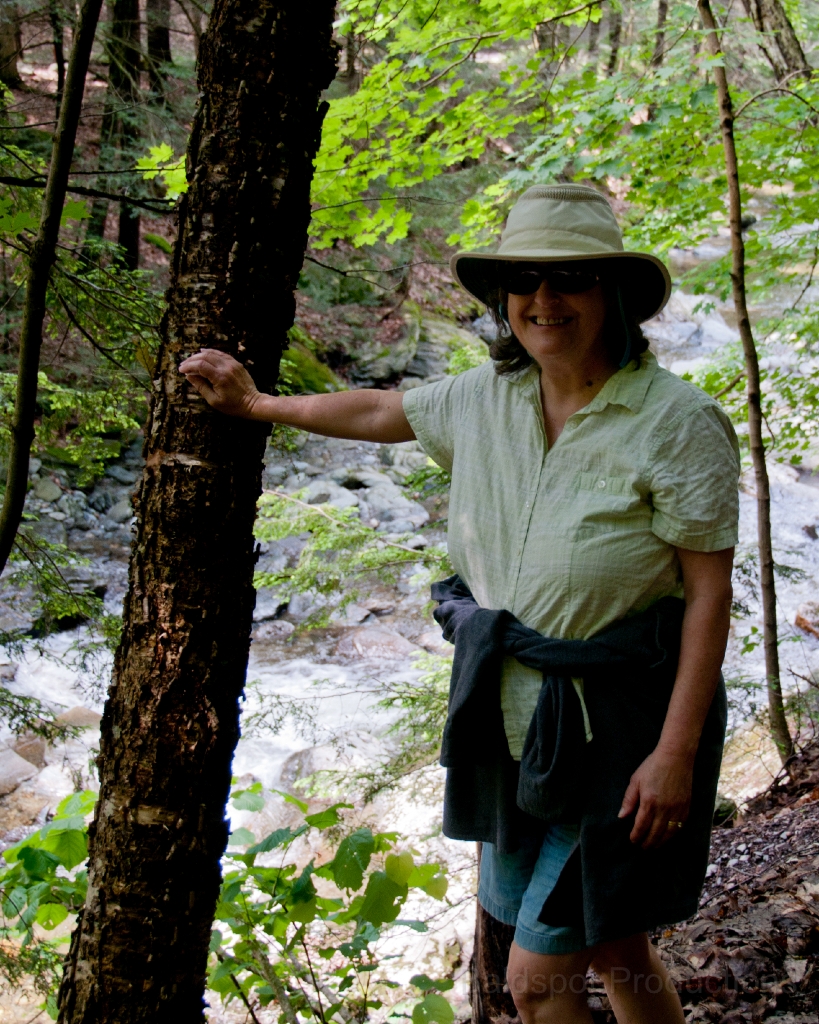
point(610, 886)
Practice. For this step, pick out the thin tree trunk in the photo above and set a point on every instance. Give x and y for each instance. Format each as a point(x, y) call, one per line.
point(615, 33)
point(778, 722)
point(170, 726)
point(659, 36)
point(120, 122)
point(594, 36)
point(491, 1000)
point(193, 16)
point(11, 45)
point(777, 38)
point(158, 43)
point(40, 261)
point(55, 16)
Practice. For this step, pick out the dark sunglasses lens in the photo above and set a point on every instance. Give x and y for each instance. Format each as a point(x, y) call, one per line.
point(521, 282)
point(570, 282)
point(527, 280)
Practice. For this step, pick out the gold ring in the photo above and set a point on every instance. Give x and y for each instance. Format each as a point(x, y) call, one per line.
point(675, 824)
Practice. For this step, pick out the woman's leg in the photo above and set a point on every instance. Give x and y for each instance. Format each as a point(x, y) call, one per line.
point(636, 981)
point(549, 988)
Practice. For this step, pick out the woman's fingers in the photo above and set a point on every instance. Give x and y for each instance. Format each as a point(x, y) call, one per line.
point(221, 380)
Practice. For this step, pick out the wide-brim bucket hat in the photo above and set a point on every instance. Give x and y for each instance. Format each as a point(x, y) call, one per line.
point(567, 223)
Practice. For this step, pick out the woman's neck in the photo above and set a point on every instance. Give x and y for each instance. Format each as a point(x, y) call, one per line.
point(567, 387)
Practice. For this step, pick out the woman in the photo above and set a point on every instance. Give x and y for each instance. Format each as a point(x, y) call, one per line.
point(587, 485)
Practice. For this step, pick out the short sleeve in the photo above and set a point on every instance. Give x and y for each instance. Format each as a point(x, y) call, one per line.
point(695, 481)
point(432, 411)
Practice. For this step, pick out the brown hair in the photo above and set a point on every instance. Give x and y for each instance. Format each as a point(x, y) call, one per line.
point(510, 356)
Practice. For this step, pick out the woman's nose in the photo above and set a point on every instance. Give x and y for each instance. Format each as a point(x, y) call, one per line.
point(546, 294)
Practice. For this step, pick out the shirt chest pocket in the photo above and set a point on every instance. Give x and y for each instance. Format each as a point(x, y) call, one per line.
point(608, 504)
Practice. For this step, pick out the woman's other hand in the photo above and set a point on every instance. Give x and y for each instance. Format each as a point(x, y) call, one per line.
point(223, 382)
point(660, 792)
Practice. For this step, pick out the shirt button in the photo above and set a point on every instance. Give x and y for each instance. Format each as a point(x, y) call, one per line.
point(601, 484)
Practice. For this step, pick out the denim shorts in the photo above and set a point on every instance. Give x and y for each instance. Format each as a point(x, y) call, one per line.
point(514, 886)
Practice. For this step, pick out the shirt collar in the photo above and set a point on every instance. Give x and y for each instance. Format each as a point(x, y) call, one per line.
point(627, 387)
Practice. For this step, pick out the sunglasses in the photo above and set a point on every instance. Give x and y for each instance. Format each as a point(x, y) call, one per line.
point(526, 278)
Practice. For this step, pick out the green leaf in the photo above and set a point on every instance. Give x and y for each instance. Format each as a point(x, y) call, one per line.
point(325, 819)
point(426, 983)
point(71, 846)
point(433, 1008)
point(382, 899)
point(38, 863)
point(399, 866)
point(245, 800)
point(290, 799)
point(417, 926)
point(277, 838)
point(241, 837)
point(436, 887)
point(49, 915)
point(352, 859)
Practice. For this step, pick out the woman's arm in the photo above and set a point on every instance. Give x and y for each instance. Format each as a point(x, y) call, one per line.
point(363, 415)
point(661, 786)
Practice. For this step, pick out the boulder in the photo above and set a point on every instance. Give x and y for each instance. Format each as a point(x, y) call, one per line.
point(79, 718)
point(438, 340)
point(122, 511)
point(121, 474)
point(73, 504)
point(375, 642)
point(50, 530)
point(14, 769)
point(807, 618)
point(432, 641)
point(274, 629)
point(31, 748)
point(268, 604)
point(47, 489)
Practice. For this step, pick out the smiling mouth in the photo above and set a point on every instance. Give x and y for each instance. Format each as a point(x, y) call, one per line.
point(550, 321)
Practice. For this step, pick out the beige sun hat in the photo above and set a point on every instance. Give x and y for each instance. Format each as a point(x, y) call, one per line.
point(563, 223)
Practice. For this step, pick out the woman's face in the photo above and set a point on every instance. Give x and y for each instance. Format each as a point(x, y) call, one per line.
point(552, 324)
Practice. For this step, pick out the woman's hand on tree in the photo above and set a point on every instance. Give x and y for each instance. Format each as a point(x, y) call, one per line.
point(223, 382)
point(660, 792)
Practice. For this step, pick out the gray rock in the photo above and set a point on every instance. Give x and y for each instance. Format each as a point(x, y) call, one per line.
point(121, 474)
point(73, 504)
point(101, 500)
point(50, 530)
point(437, 340)
point(274, 476)
point(47, 490)
point(34, 466)
point(374, 642)
point(14, 770)
point(382, 362)
point(485, 328)
point(122, 511)
point(327, 492)
point(32, 749)
point(351, 614)
point(268, 604)
point(397, 526)
point(275, 629)
point(302, 606)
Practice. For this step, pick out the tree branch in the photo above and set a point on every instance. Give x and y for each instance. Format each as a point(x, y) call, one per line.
point(43, 253)
point(81, 190)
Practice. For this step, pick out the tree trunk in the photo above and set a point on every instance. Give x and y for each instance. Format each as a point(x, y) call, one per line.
point(659, 37)
point(11, 45)
point(594, 36)
point(615, 33)
point(172, 717)
point(491, 1000)
point(778, 723)
point(55, 16)
point(40, 261)
point(778, 41)
point(158, 43)
point(120, 122)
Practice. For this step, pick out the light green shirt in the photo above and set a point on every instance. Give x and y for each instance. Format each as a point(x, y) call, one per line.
point(572, 539)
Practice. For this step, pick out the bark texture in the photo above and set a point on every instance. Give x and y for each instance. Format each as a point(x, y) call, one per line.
point(491, 1001)
point(172, 717)
point(10, 43)
point(615, 34)
point(779, 726)
point(777, 38)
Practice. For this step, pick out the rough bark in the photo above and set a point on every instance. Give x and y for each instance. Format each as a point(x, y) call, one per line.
point(777, 38)
point(491, 1000)
point(778, 723)
point(41, 258)
point(158, 42)
point(615, 34)
point(172, 717)
point(10, 44)
point(120, 121)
